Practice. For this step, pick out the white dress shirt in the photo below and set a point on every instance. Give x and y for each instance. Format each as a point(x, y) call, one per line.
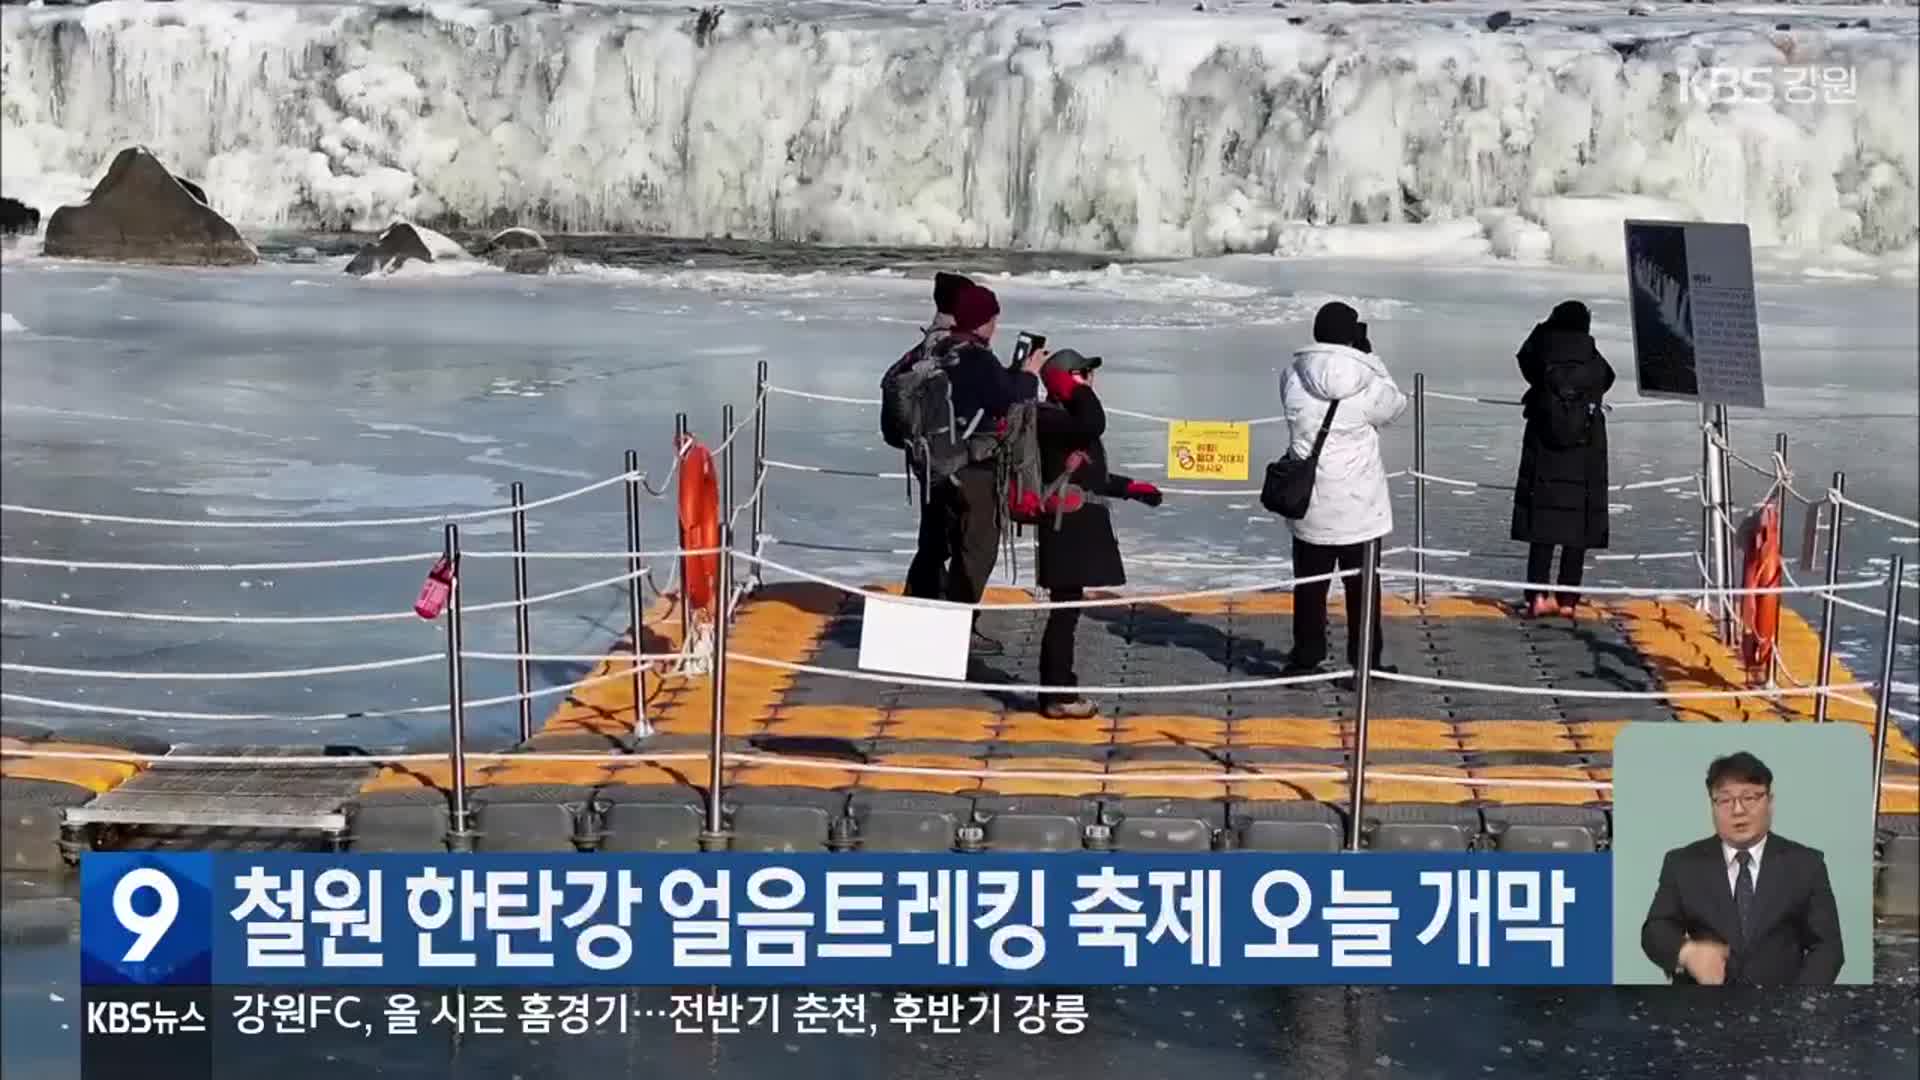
point(1727, 855)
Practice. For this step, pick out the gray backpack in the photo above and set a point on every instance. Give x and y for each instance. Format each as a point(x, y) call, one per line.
point(916, 406)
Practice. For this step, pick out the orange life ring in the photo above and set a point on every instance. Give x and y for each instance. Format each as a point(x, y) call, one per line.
point(699, 527)
point(1760, 615)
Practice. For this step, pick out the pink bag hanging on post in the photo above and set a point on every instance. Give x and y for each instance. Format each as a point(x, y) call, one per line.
point(437, 590)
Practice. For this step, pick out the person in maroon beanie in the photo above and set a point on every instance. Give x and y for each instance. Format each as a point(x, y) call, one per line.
point(927, 574)
point(1077, 549)
point(960, 527)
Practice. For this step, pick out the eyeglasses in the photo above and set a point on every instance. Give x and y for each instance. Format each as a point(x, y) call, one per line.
point(1743, 802)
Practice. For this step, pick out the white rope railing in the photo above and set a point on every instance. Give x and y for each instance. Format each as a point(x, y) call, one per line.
point(1514, 403)
point(839, 399)
point(1620, 695)
point(662, 553)
point(1625, 590)
point(1125, 600)
point(309, 620)
point(1231, 773)
point(225, 676)
point(150, 567)
point(357, 714)
point(822, 470)
point(1638, 485)
point(809, 395)
point(1255, 421)
point(1873, 511)
point(307, 523)
point(220, 620)
point(1029, 689)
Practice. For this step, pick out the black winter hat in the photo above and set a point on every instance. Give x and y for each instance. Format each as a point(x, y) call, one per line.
point(946, 289)
point(1570, 315)
point(1336, 324)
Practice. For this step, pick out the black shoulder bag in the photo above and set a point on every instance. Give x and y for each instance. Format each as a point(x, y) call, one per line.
point(1288, 489)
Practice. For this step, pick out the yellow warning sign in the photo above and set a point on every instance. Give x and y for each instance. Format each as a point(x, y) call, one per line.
point(1207, 450)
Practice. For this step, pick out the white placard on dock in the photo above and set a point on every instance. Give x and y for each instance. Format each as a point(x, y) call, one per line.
point(1696, 330)
point(903, 638)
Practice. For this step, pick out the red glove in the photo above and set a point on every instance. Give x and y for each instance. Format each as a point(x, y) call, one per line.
point(1141, 491)
point(1061, 385)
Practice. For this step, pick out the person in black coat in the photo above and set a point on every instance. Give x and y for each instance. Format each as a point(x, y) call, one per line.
point(1077, 548)
point(1560, 498)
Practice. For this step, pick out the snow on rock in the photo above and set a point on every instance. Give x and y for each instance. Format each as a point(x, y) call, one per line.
point(401, 243)
point(141, 212)
point(1129, 128)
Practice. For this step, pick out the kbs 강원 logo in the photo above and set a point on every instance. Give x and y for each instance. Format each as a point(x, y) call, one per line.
point(1767, 85)
point(145, 919)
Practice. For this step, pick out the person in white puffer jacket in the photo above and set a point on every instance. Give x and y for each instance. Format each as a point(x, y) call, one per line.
point(1351, 504)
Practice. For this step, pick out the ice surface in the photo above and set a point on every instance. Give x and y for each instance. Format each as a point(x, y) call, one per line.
point(245, 394)
point(1140, 128)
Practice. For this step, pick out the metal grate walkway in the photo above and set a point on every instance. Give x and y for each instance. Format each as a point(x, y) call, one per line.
point(250, 796)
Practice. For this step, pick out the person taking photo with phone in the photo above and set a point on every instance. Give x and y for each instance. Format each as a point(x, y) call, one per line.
point(1077, 547)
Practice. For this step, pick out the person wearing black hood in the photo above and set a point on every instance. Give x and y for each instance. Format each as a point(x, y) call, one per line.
point(1077, 547)
point(1560, 498)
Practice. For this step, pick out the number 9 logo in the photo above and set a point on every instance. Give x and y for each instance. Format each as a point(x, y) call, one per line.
point(147, 929)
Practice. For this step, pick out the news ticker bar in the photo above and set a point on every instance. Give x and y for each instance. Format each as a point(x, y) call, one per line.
point(848, 920)
point(191, 1033)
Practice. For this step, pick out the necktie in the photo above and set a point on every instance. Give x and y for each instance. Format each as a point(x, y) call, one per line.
point(1743, 890)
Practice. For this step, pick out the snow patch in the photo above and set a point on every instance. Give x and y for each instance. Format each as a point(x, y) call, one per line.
point(10, 325)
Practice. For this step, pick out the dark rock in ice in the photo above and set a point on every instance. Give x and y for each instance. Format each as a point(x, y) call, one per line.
point(518, 250)
point(525, 261)
point(1296, 20)
point(1783, 26)
point(518, 238)
point(1499, 19)
point(140, 212)
point(393, 249)
point(17, 217)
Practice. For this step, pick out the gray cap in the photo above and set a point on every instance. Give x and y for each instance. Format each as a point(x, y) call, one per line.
point(1070, 360)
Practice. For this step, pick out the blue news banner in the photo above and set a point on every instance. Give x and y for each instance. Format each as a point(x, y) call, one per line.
point(164, 930)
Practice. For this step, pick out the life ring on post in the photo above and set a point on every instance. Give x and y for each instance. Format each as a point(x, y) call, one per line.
point(1760, 614)
point(699, 527)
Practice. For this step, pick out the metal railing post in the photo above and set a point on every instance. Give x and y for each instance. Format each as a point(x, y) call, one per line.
point(1362, 684)
point(460, 824)
point(1706, 512)
point(726, 495)
point(681, 433)
point(1829, 607)
point(714, 837)
point(1717, 566)
point(759, 473)
point(522, 618)
point(1780, 518)
point(1729, 630)
point(1420, 488)
point(1883, 690)
point(636, 604)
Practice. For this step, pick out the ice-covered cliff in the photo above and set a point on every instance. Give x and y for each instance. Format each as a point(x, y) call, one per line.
point(1143, 129)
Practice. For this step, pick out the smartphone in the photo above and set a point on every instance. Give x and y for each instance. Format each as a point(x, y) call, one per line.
point(1023, 347)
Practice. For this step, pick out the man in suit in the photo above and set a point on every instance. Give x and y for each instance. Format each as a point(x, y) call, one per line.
point(1745, 906)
